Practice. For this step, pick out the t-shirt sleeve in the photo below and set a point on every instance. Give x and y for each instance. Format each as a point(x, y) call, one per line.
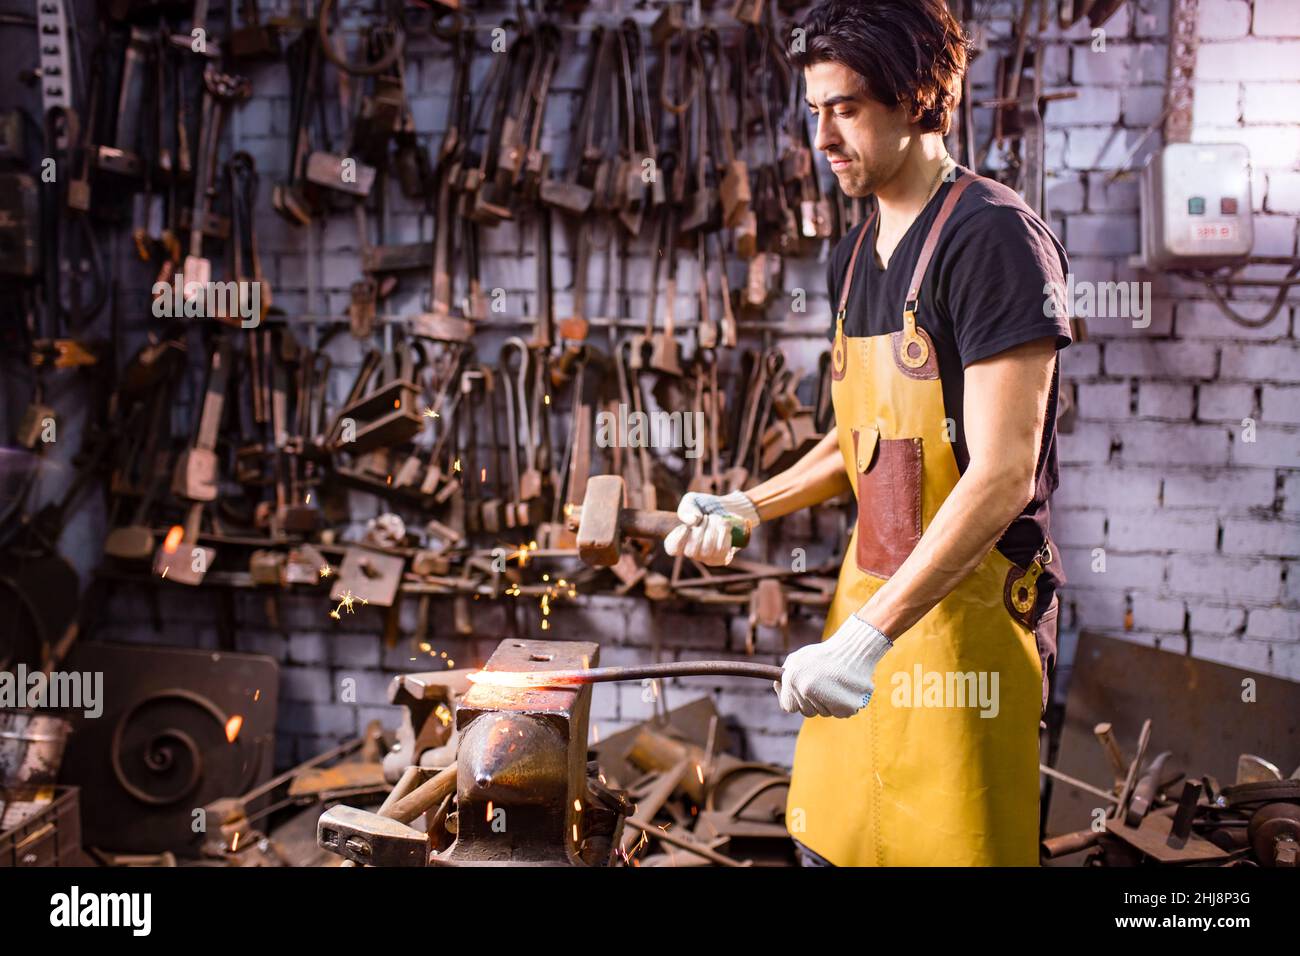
point(1003, 284)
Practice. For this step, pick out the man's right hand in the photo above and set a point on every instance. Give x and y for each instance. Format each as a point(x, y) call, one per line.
point(705, 531)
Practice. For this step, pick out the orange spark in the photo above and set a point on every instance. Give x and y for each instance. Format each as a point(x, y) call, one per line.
point(173, 539)
point(232, 727)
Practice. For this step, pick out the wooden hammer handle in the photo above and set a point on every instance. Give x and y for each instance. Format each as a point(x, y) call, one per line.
point(656, 524)
point(647, 524)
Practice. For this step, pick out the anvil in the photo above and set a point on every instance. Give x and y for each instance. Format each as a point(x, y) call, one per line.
point(521, 792)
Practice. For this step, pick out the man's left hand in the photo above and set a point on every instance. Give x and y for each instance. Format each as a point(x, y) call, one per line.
point(836, 677)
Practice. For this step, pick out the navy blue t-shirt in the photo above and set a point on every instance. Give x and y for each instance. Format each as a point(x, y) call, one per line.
point(982, 294)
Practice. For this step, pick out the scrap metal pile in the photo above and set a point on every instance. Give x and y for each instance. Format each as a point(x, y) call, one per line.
point(1159, 814)
point(479, 772)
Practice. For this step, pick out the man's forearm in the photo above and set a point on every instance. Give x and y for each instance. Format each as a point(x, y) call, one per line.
point(966, 526)
point(814, 478)
point(1004, 443)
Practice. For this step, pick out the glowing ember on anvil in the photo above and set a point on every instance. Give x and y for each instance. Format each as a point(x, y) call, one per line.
point(520, 679)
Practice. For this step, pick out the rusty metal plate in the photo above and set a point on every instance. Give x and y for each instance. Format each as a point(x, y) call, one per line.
point(162, 748)
point(1196, 709)
point(371, 577)
point(1152, 838)
point(355, 775)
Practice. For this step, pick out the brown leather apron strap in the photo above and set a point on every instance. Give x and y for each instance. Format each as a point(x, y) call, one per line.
point(853, 261)
point(914, 350)
point(932, 239)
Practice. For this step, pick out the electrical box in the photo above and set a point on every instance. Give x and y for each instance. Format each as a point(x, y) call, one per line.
point(1196, 211)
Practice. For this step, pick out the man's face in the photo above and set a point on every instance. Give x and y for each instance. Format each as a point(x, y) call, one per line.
point(864, 140)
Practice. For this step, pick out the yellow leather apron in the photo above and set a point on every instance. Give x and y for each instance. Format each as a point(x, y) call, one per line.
point(919, 777)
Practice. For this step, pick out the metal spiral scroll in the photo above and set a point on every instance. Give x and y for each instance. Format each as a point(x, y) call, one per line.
point(160, 752)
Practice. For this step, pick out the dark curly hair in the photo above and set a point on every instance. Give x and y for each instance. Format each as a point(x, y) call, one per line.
point(909, 53)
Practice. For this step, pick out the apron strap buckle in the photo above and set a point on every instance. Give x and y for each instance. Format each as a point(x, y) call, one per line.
point(914, 350)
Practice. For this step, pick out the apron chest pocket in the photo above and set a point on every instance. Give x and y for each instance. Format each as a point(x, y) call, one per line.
point(889, 500)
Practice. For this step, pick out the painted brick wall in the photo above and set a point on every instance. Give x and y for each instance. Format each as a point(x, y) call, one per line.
point(1195, 523)
point(1198, 527)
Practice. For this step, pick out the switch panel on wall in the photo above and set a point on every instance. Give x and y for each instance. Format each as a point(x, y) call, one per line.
point(1196, 210)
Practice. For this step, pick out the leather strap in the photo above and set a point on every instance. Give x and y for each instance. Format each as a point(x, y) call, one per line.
point(932, 238)
point(927, 250)
point(853, 262)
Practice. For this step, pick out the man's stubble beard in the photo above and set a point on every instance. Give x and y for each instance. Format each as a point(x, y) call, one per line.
point(863, 176)
point(863, 179)
point(857, 182)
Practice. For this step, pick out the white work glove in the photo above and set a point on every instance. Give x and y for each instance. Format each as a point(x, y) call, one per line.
point(705, 533)
point(836, 677)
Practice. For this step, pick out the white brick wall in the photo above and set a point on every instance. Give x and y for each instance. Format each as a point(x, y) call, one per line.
point(1276, 18)
point(1191, 525)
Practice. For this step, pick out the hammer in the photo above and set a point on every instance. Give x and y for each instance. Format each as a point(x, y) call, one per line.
point(602, 522)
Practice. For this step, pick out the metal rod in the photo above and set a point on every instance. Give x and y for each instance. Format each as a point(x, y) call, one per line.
point(598, 675)
point(1144, 738)
point(1087, 787)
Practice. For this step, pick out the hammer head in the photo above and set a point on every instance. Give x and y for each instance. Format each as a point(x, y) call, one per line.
point(598, 525)
point(365, 837)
